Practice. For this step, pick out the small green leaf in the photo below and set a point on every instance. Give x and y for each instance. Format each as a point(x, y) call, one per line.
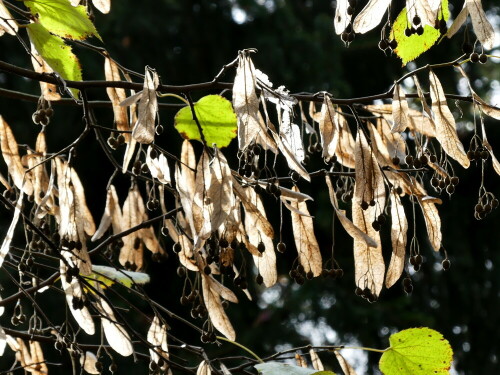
point(216, 117)
point(276, 368)
point(409, 48)
point(63, 19)
point(417, 351)
point(56, 53)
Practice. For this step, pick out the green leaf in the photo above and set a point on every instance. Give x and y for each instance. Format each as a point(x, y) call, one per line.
point(216, 117)
point(63, 19)
point(276, 368)
point(56, 53)
point(417, 351)
point(409, 48)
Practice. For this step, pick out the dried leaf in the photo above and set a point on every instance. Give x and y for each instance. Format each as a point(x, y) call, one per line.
point(305, 240)
point(10, 153)
point(370, 16)
point(399, 228)
point(446, 132)
point(115, 334)
point(346, 367)
point(116, 95)
point(400, 110)
point(432, 220)
point(215, 310)
point(482, 27)
point(349, 227)
point(144, 128)
point(74, 292)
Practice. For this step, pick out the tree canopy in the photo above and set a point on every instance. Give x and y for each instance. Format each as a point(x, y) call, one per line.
point(177, 172)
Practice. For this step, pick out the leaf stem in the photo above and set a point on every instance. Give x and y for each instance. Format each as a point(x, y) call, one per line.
point(242, 347)
point(173, 96)
point(365, 348)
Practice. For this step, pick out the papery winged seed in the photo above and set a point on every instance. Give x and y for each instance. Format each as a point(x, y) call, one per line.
point(117, 96)
point(49, 90)
point(129, 153)
point(115, 334)
point(427, 11)
point(482, 27)
point(305, 240)
point(104, 6)
point(10, 153)
point(291, 138)
point(488, 109)
point(370, 16)
point(432, 220)
point(346, 144)
point(446, 132)
point(265, 262)
point(7, 22)
point(344, 365)
point(88, 360)
point(368, 261)
point(3, 341)
point(292, 161)
point(316, 361)
point(458, 22)
point(204, 369)
point(328, 127)
point(291, 208)
point(73, 289)
point(421, 96)
point(144, 128)
point(82, 211)
point(399, 110)
point(157, 336)
point(112, 215)
point(4, 250)
point(223, 291)
point(215, 310)
point(246, 102)
point(342, 19)
point(38, 365)
point(369, 179)
point(399, 228)
point(133, 211)
point(348, 225)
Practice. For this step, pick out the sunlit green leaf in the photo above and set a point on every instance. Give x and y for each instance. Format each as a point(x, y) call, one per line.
point(63, 19)
point(56, 53)
point(417, 351)
point(216, 117)
point(276, 368)
point(409, 48)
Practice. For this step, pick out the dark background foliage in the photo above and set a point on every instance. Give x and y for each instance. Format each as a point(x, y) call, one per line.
point(188, 42)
